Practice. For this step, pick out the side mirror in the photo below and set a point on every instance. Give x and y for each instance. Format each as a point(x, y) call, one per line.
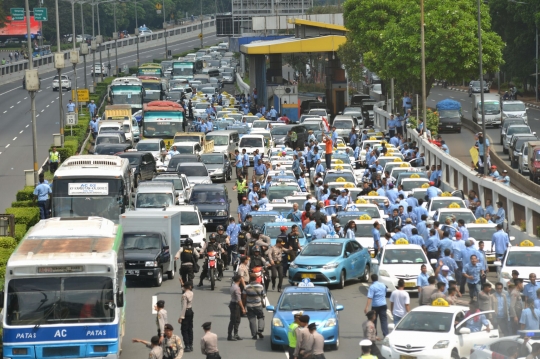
point(464, 331)
point(433, 261)
point(512, 238)
point(119, 299)
point(166, 247)
point(534, 133)
point(270, 308)
point(347, 254)
point(2, 299)
point(339, 308)
point(374, 261)
point(205, 221)
point(497, 263)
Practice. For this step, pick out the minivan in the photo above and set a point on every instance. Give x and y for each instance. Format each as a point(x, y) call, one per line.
point(155, 194)
point(212, 72)
point(225, 141)
point(492, 109)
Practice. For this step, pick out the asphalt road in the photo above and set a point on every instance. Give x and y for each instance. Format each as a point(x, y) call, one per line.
point(460, 143)
point(15, 116)
point(212, 306)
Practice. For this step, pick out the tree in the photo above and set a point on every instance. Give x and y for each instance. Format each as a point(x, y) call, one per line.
point(387, 35)
point(3, 19)
point(352, 59)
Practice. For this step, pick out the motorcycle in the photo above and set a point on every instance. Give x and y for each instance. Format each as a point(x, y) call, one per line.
point(259, 272)
point(212, 267)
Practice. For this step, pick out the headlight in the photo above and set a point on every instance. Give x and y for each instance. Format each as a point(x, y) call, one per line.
point(150, 264)
point(331, 266)
point(386, 342)
point(506, 275)
point(383, 273)
point(441, 344)
point(196, 233)
point(219, 170)
point(330, 322)
point(276, 322)
point(133, 170)
point(430, 272)
point(207, 182)
point(293, 265)
point(221, 213)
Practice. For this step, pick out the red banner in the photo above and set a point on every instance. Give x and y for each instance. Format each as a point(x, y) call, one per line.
point(18, 28)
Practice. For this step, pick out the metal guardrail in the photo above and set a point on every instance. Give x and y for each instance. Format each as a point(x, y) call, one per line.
point(518, 206)
point(241, 84)
point(7, 225)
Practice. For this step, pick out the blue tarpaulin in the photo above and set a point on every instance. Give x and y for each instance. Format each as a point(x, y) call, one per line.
point(448, 104)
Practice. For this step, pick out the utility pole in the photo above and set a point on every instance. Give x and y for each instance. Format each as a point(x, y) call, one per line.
point(93, 48)
point(59, 55)
point(482, 90)
point(137, 32)
point(74, 60)
point(99, 44)
point(84, 55)
point(115, 37)
point(423, 47)
point(165, 28)
point(32, 74)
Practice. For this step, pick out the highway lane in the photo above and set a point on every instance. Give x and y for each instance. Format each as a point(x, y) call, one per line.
point(460, 144)
point(15, 116)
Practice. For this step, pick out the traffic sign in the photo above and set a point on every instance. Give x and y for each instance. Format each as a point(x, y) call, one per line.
point(72, 119)
point(17, 13)
point(83, 95)
point(159, 6)
point(40, 14)
point(200, 35)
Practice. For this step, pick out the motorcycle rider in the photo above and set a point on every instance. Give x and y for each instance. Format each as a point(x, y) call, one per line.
point(257, 239)
point(210, 246)
point(243, 239)
point(257, 260)
point(275, 255)
point(188, 257)
point(224, 240)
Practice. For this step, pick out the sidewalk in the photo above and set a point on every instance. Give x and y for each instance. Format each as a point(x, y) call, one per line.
point(528, 100)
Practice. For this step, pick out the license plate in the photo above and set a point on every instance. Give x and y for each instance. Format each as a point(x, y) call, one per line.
point(308, 275)
point(449, 126)
point(210, 220)
point(410, 284)
point(406, 357)
point(490, 258)
point(132, 272)
point(372, 254)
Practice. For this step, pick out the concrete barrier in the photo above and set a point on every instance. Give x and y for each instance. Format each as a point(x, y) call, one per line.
point(241, 84)
point(519, 206)
point(14, 72)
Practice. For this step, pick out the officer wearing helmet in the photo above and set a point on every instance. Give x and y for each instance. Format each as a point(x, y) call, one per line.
point(244, 238)
point(224, 240)
point(257, 239)
point(211, 245)
point(256, 259)
point(188, 257)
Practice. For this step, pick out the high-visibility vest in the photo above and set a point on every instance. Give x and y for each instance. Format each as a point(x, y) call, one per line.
point(241, 186)
point(53, 156)
point(292, 334)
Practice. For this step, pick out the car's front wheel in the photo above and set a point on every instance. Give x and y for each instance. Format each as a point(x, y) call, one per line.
point(341, 283)
point(366, 275)
point(275, 347)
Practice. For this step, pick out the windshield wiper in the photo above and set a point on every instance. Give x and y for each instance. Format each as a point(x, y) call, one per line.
point(47, 312)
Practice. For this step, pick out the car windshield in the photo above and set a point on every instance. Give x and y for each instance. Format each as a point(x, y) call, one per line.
point(517, 129)
point(212, 159)
point(200, 197)
point(404, 256)
point(196, 171)
point(312, 125)
point(153, 200)
point(513, 121)
point(304, 301)
point(334, 177)
point(466, 216)
point(185, 149)
point(343, 124)
point(513, 107)
point(177, 182)
point(444, 203)
point(274, 231)
point(189, 218)
point(133, 160)
point(322, 249)
point(475, 84)
point(260, 124)
point(449, 114)
point(152, 86)
point(419, 321)
point(280, 131)
point(261, 220)
point(250, 119)
point(251, 142)
point(523, 259)
point(340, 156)
point(127, 128)
point(109, 129)
point(201, 106)
point(522, 140)
point(364, 230)
point(491, 108)
point(482, 233)
point(280, 192)
point(187, 138)
point(148, 146)
point(110, 139)
point(317, 112)
point(345, 217)
point(219, 140)
point(142, 241)
point(409, 185)
point(537, 156)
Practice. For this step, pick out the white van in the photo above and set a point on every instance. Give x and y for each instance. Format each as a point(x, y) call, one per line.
point(225, 141)
point(155, 194)
point(254, 142)
point(492, 109)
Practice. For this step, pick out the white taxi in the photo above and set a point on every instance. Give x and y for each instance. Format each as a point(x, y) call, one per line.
point(500, 348)
point(364, 236)
point(524, 258)
point(444, 201)
point(401, 261)
point(431, 332)
point(483, 231)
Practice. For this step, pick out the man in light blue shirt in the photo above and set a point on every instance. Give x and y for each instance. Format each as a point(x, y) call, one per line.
point(419, 210)
point(319, 233)
point(375, 232)
point(92, 108)
point(399, 234)
point(445, 243)
point(432, 245)
point(408, 228)
point(334, 137)
point(173, 151)
point(342, 200)
point(273, 114)
point(392, 123)
point(463, 230)
point(422, 279)
point(253, 197)
point(501, 214)
point(238, 163)
point(441, 273)
point(432, 191)
point(310, 227)
point(243, 210)
point(415, 238)
point(530, 288)
point(500, 241)
point(422, 227)
point(70, 106)
point(489, 208)
point(319, 168)
point(392, 194)
point(448, 261)
point(41, 194)
point(232, 231)
point(377, 300)
point(472, 272)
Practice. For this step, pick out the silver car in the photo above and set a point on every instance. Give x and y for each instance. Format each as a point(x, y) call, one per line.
point(514, 130)
point(196, 172)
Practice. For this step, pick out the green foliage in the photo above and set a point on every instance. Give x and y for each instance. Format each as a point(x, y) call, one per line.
point(18, 204)
point(8, 243)
point(351, 58)
point(20, 231)
point(158, 61)
point(325, 9)
point(432, 119)
point(28, 216)
point(389, 39)
point(25, 194)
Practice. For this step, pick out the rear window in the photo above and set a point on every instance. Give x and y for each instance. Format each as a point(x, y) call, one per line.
point(251, 142)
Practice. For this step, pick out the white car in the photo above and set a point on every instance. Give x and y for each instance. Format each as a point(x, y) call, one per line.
point(199, 110)
point(524, 258)
point(514, 130)
point(135, 129)
point(411, 183)
point(191, 148)
point(501, 347)
point(363, 233)
point(253, 142)
point(100, 69)
point(514, 109)
point(193, 225)
point(431, 332)
point(484, 232)
point(444, 202)
point(66, 83)
point(460, 213)
point(401, 261)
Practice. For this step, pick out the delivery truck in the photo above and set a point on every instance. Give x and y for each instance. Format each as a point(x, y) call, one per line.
point(533, 153)
point(151, 240)
point(450, 115)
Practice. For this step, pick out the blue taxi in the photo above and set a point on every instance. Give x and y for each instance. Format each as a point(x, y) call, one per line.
point(260, 217)
point(271, 229)
point(315, 301)
point(331, 261)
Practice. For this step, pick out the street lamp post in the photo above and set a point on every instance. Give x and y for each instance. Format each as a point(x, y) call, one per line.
point(423, 50)
point(137, 32)
point(115, 37)
point(99, 45)
point(484, 159)
point(60, 55)
point(165, 28)
point(93, 44)
point(201, 17)
point(84, 55)
point(33, 91)
point(74, 60)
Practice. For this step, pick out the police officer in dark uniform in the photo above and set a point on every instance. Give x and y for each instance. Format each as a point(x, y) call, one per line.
point(188, 257)
point(190, 107)
point(223, 239)
point(293, 245)
point(210, 246)
point(243, 240)
point(256, 259)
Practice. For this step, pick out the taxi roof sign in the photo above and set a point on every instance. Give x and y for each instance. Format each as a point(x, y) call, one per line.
point(402, 241)
point(361, 201)
point(526, 243)
point(454, 205)
point(306, 283)
point(481, 221)
point(365, 217)
point(439, 302)
point(341, 179)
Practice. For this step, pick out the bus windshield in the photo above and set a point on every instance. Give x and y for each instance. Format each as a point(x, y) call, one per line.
point(82, 197)
point(127, 95)
point(57, 300)
point(162, 124)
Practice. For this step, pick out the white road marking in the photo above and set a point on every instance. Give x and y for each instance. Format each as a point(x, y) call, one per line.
point(57, 97)
point(40, 90)
point(0, 153)
point(21, 131)
point(53, 100)
point(48, 105)
point(3, 93)
point(12, 106)
point(42, 110)
point(18, 102)
point(5, 111)
point(154, 302)
point(27, 126)
point(465, 110)
point(7, 145)
point(451, 96)
point(25, 98)
point(49, 87)
point(36, 116)
point(14, 138)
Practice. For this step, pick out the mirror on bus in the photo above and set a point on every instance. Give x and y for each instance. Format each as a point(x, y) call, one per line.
point(2, 299)
point(119, 299)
